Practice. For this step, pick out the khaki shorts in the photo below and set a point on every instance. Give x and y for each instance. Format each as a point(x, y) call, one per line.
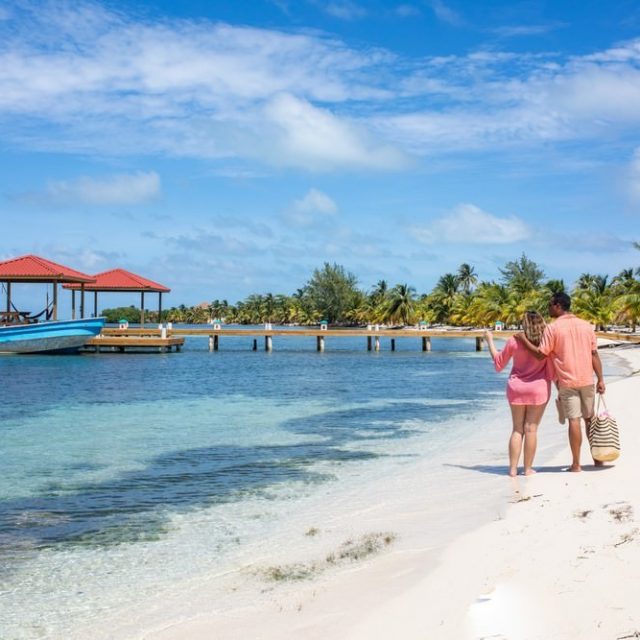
point(577, 403)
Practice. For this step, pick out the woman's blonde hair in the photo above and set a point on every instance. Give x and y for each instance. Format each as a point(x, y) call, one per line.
point(534, 325)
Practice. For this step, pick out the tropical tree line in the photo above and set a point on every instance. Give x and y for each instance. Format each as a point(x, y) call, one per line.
point(460, 298)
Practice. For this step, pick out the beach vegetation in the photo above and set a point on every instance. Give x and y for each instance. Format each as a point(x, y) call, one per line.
point(458, 298)
point(289, 572)
point(349, 551)
point(366, 545)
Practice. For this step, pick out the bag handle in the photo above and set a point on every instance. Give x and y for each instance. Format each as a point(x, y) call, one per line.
point(604, 404)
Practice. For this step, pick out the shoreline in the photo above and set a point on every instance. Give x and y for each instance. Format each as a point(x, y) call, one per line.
point(390, 594)
point(559, 565)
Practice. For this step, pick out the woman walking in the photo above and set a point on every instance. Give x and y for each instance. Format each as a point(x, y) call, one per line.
point(528, 389)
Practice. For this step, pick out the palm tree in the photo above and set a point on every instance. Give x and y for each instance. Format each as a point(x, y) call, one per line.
point(443, 296)
point(593, 300)
point(628, 308)
point(555, 286)
point(401, 303)
point(522, 275)
point(467, 277)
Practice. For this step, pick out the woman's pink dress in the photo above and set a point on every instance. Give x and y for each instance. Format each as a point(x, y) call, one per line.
point(530, 378)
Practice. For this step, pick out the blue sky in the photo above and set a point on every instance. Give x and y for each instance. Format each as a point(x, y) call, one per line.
point(225, 148)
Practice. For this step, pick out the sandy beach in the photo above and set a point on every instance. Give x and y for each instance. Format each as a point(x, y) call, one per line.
point(561, 560)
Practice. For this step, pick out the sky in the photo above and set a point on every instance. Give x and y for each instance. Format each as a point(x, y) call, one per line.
point(227, 147)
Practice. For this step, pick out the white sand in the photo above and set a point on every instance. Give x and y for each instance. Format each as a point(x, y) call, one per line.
point(561, 562)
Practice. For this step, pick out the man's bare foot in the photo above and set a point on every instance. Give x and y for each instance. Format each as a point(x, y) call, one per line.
point(530, 472)
point(575, 468)
point(513, 473)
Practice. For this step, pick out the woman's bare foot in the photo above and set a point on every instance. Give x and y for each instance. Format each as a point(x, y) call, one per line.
point(513, 473)
point(530, 472)
point(575, 468)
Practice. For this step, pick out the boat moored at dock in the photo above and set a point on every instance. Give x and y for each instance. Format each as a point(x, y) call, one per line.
point(59, 336)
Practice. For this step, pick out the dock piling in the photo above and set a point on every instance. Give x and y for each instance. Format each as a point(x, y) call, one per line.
point(320, 343)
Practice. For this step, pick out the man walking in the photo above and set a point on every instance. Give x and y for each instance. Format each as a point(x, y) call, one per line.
point(571, 345)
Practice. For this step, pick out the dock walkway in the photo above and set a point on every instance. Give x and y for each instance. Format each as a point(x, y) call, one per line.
point(141, 337)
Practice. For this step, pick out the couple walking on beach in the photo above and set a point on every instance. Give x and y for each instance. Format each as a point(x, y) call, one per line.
point(564, 352)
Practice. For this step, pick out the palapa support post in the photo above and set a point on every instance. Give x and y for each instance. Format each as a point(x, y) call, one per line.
point(8, 297)
point(159, 306)
point(320, 343)
point(73, 304)
point(479, 342)
point(82, 300)
point(426, 343)
point(95, 304)
point(142, 309)
point(55, 300)
point(393, 344)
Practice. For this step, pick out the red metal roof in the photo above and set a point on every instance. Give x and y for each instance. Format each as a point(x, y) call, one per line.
point(32, 268)
point(121, 280)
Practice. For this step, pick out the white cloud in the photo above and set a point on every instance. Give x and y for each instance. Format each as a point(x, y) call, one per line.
point(634, 177)
point(315, 138)
point(344, 9)
point(310, 209)
point(468, 224)
point(116, 190)
point(83, 79)
point(407, 11)
point(514, 31)
point(445, 13)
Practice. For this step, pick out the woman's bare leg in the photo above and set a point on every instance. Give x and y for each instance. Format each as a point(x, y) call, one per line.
point(517, 435)
point(533, 415)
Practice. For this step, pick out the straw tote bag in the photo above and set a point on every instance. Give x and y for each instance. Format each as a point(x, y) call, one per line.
point(603, 436)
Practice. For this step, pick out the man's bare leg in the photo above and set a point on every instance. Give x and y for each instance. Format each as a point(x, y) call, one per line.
point(575, 442)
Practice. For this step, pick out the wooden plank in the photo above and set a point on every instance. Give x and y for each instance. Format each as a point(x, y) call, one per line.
point(133, 341)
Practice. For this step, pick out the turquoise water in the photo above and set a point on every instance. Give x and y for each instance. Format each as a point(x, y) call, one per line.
point(158, 467)
point(98, 449)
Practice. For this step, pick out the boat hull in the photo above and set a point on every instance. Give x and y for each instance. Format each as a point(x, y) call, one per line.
point(43, 337)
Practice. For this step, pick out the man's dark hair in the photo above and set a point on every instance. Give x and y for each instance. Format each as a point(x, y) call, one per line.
point(562, 299)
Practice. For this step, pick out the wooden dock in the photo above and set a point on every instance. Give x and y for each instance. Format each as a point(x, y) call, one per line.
point(372, 336)
point(151, 337)
point(123, 343)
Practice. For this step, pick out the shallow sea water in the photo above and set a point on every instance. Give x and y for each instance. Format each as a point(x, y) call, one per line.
point(126, 476)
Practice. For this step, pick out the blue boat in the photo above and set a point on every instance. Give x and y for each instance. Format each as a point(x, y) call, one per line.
point(66, 335)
